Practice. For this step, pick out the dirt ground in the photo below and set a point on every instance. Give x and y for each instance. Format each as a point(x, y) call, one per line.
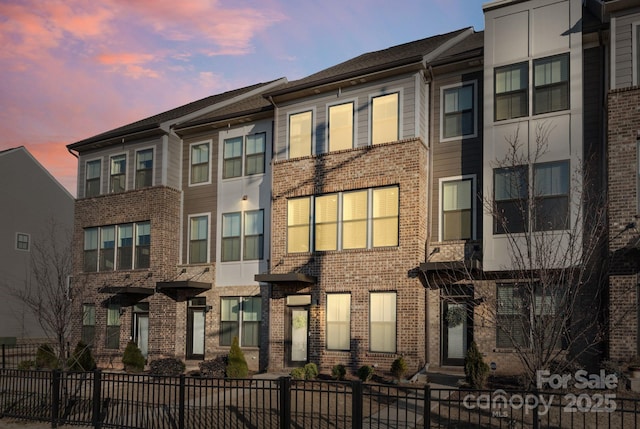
point(6, 423)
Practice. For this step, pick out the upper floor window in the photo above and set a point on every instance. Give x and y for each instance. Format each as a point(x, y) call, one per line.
point(338, 321)
point(23, 241)
point(199, 163)
point(254, 158)
point(341, 126)
point(551, 84)
point(231, 232)
point(118, 178)
point(458, 111)
point(382, 322)
point(88, 323)
point(233, 244)
point(361, 219)
point(511, 91)
point(232, 154)
point(92, 184)
point(198, 239)
point(112, 247)
point(511, 188)
point(457, 209)
point(253, 244)
point(240, 317)
point(551, 193)
point(636, 53)
point(300, 132)
point(144, 168)
point(384, 118)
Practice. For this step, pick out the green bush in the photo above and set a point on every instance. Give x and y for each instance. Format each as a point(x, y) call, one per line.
point(46, 358)
point(399, 368)
point(298, 373)
point(82, 359)
point(475, 368)
point(236, 364)
point(338, 372)
point(365, 373)
point(311, 371)
point(26, 364)
point(132, 358)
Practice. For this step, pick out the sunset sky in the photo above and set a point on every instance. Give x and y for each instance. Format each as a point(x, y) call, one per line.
point(70, 69)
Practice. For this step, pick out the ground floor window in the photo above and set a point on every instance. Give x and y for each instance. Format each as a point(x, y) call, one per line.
point(382, 322)
point(88, 323)
point(240, 317)
point(338, 321)
point(113, 327)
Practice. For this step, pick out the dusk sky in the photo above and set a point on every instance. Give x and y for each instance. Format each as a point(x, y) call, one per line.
point(70, 69)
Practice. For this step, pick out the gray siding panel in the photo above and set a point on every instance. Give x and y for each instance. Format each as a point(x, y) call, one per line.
point(624, 48)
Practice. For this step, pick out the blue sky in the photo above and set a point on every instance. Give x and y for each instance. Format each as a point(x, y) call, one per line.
point(70, 69)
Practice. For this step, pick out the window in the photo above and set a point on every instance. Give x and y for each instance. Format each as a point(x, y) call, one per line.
point(551, 84)
point(457, 200)
point(88, 323)
point(143, 245)
point(511, 91)
point(525, 314)
point(108, 244)
point(240, 317)
point(198, 238)
point(341, 127)
point(91, 249)
point(345, 220)
point(253, 235)
point(125, 247)
point(551, 187)
point(254, 161)
point(199, 163)
point(338, 321)
point(232, 158)
point(326, 222)
point(511, 188)
point(107, 248)
point(298, 224)
point(458, 111)
point(22, 241)
point(300, 131)
point(231, 237)
point(92, 185)
point(144, 168)
point(117, 181)
point(384, 118)
point(113, 327)
point(382, 322)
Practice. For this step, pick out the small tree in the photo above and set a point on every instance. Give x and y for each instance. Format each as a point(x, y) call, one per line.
point(365, 373)
point(399, 368)
point(476, 370)
point(132, 358)
point(46, 358)
point(82, 358)
point(237, 364)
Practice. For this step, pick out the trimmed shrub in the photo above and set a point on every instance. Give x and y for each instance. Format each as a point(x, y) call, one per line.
point(475, 368)
point(297, 373)
point(339, 372)
point(132, 358)
point(82, 359)
point(399, 368)
point(46, 358)
point(166, 366)
point(365, 373)
point(237, 364)
point(26, 365)
point(214, 368)
point(311, 371)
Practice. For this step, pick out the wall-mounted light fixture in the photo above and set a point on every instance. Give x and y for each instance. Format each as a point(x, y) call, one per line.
point(207, 308)
point(245, 198)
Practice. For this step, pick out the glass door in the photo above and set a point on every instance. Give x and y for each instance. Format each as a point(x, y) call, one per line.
point(141, 327)
point(456, 332)
point(297, 353)
point(195, 328)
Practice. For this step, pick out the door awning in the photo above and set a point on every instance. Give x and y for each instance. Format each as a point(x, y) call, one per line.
point(469, 265)
point(182, 285)
point(285, 278)
point(127, 290)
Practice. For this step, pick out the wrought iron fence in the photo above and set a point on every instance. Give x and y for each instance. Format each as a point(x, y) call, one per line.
point(118, 400)
point(12, 355)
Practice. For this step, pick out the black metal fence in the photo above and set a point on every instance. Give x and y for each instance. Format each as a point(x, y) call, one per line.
point(13, 355)
point(118, 400)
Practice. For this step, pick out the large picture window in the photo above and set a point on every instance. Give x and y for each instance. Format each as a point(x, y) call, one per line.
point(300, 132)
point(92, 185)
point(113, 247)
point(382, 322)
point(458, 111)
point(511, 188)
point(199, 172)
point(338, 321)
point(511, 91)
point(341, 127)
point(198, 239)
point(385, 118)
point(551, 84)
point(457, 209)
point(240, 317)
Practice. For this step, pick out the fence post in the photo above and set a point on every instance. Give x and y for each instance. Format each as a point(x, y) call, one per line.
point(285, 402)
point(427, 406)
point(4, 356)
point(96, 419)
point(55, 397)
point(356, 404)
point(181, 401)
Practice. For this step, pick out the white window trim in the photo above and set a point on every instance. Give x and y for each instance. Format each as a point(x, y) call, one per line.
point(126, 171)
point(635, 27)
point(313, 133)
point(474, 191)
point(354, 102)
point(210, 142)
point(100, 181)
point(474, 83)
point(400, 112)
point(28, 249)
point(153, 166)
point(208, 215)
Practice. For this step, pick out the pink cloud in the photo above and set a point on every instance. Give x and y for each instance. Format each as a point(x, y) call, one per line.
point(130, 63)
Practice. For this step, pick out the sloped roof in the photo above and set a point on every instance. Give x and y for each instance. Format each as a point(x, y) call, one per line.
point(156, 122)
point(471, 46)
point(404, 54)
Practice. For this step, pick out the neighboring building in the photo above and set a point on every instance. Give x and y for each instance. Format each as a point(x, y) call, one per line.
point(140, 258)
point(32, 202)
